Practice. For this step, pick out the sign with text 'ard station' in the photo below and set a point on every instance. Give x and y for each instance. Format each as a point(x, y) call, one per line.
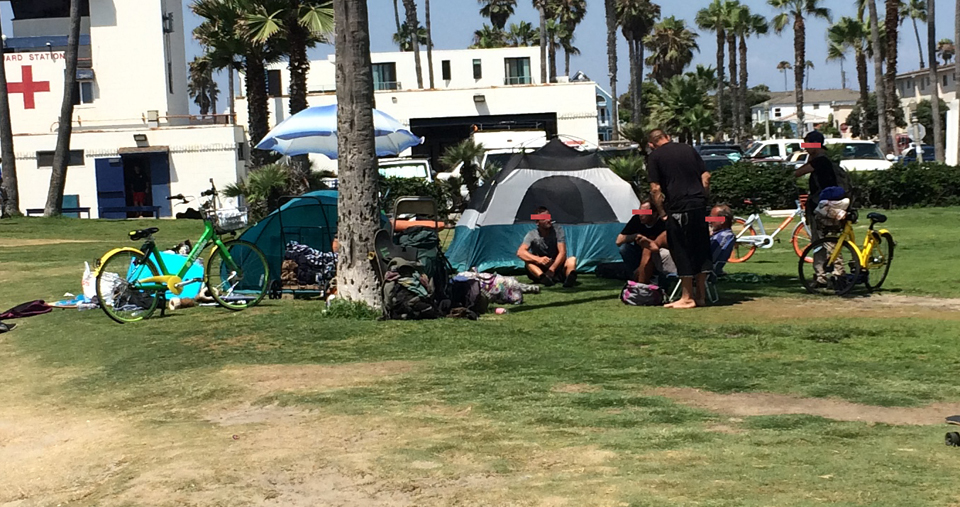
point(30, 75)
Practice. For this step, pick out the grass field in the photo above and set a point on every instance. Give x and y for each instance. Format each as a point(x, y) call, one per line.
point(772, 397)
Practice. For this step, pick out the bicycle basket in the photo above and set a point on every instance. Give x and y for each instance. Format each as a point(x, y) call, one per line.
point(230, 219)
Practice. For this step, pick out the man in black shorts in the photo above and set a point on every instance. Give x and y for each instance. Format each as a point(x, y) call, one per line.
point(544, 253)
point(679, 183)
point(641, 241)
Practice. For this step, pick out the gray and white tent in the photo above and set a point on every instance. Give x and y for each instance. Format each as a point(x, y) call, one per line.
point(581, 192)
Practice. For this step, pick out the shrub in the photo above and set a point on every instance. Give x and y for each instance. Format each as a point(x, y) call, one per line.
point(631, 170)
point(915, 184)
point(346, 309)
point(774, 184)
point(392, 188)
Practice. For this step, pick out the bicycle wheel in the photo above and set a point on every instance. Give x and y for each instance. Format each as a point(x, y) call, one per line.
point(800, 240)
point(879, 262)
point(117, 289)
point(237, 276)
point(742, 251)
point(839, 278)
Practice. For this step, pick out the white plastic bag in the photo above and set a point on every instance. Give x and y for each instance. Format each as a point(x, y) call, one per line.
point(88, 282)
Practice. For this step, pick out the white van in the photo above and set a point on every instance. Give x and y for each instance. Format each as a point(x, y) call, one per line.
point(773, 150)
point(406, 168)
point(856, 155)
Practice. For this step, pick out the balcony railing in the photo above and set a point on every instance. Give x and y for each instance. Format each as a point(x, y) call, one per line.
point(517, 80)
point(386, 85)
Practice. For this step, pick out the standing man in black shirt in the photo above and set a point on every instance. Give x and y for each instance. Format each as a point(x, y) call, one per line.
point(679, 183)
point(822, 175)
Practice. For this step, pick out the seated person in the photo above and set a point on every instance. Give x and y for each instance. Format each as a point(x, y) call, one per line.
point(544, 252)
point(722, 238)
point(642, 242)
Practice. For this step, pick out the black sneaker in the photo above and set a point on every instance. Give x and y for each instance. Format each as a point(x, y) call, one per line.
point(571, 280)
point(547, 281)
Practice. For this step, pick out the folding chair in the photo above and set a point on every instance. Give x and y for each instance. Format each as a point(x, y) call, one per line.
point(712, 294)
point(422, 211)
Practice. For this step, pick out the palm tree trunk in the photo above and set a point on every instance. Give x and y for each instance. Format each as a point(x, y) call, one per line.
point(956, 74)
point(934, 80)
point(862, 78)
point(212, 92)
point(721, 40)
point(800, 58)
point(426, 9)
point(61, 156)
point(632, 57)
point(734, 86)
point(612, 65)
point(878, 75)
point(9, 193)
point(396, 15)
point(890, 86)
point(543, 42)
point(553, 60)
point(257, 110)
point(231, 89)
point(638, 84)
point(413, 25)
point(919, 44)
point(743, 85)
point(298, 66)
point(359, 186)
point(566, 63)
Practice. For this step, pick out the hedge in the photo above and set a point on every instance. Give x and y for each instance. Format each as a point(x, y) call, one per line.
point(773, 184)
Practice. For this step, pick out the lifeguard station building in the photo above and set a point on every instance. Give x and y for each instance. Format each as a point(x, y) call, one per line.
point(131, 106)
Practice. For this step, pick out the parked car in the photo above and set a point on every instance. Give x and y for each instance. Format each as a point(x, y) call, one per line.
point(772, 150)
point(715, 161)
point(910, 154)
point(861, 155)
point(406, 168)
point(704, 148)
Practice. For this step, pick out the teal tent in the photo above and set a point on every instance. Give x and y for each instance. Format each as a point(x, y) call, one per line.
point(310, 219)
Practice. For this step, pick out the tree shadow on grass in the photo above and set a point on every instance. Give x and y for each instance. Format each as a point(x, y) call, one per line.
point(562, 303)
point(736, 292)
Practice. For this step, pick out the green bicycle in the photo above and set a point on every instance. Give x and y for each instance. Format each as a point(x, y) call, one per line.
point(132, 282)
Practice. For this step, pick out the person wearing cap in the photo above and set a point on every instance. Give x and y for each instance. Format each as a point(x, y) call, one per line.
point(544, 253)
point(822, 175)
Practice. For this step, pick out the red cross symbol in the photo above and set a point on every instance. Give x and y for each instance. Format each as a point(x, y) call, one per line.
point(28, 87)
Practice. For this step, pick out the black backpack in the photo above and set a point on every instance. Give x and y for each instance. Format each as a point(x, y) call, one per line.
point(641, 294)
point(465, 293)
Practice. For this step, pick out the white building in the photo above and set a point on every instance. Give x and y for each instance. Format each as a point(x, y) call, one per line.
point(917, 86)
point(131, 106)
point(474, 89)
point(818, 106)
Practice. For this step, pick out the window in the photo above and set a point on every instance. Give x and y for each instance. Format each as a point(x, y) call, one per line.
point(770, 150)
point(385, 76)
point(603, 115)
point(944, 80)
point(83, 93)
point(517, 71)
point(45, 158)
point(240, 148)
point(445, 70)
point(274, 84)
point(792, 148)
point(477, 70)
point(776, 112)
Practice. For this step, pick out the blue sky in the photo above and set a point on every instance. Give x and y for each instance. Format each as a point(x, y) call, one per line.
point(454, 22)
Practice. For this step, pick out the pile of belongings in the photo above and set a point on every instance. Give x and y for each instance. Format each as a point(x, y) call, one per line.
point(303, 265)
point(408, 292)
point(499, 288)
point(832, 208)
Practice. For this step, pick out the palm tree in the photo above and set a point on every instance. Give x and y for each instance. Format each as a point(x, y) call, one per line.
point(848, 33)
point(541, 6)
point(396, 15)
point(682, 105)
point(467, 153)
point(714, 18)
point(932, 48)
point(809, 65)
point(956, 68)
point(488, 37)
point(61, 154)
point(9, 190)
point(747, 24)
point(359, 215)
point(735, 114)
point(671, 48)
point(566, 42)
point(554, 32)
point(915, 10)
point(783, 67)
point(426, 13)
point(201, 86)
point(410, 6)
point(637, 18)
point(882, 122)
point(799, 10)
point(521, 35)
point(946, 50)
point(569, 14)
point(499, 11)
point(610, 14)
point(892, 24)
point(404, 38)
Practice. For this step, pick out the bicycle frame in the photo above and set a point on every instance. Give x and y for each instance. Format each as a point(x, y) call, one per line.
point(764, 240)
point(863, 254)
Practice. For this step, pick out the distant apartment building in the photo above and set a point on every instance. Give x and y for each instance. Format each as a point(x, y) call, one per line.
point(917, 86)
point(818, 107)
point(474, 90)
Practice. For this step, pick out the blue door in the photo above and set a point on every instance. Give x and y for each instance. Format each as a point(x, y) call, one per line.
point(160, 182)
point(110, 188)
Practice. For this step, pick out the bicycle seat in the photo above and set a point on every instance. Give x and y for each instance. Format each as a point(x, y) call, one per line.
point(877, 217)
point(142, 233)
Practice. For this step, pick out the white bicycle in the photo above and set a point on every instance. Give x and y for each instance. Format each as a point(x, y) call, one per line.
point(748, 240)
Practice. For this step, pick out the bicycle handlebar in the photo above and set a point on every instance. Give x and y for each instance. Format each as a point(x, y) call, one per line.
point(175, 197)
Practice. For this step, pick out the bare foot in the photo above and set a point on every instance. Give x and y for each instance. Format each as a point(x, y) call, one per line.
point(684, 304)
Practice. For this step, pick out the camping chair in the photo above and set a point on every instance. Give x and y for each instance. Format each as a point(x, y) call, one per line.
point(423, 212)
point(712, 294)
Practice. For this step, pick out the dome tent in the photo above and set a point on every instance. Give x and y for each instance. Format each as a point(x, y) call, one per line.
point(581, 192)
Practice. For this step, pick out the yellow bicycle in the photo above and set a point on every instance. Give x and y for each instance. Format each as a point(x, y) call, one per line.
point(839, 264)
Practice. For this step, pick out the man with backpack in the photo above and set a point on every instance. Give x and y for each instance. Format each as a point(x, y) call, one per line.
point(823, 174)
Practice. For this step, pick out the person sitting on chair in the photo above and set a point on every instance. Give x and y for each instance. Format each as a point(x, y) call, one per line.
point(642, 242)
point(722, 238)
point(544, 252)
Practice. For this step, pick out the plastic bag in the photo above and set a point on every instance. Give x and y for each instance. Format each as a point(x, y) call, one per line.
point(88, 282)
